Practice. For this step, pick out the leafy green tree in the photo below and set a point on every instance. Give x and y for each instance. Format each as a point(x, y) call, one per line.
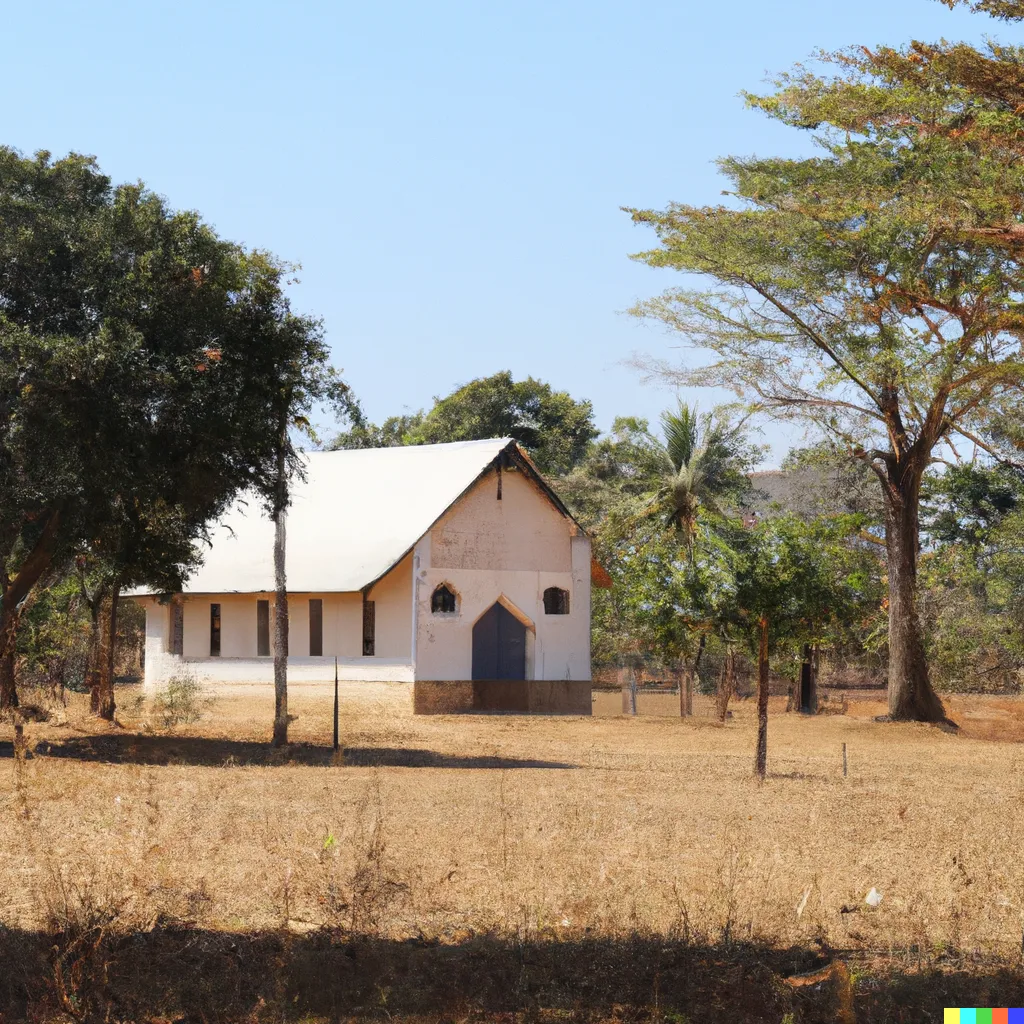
point(790, 582)
point(620, 468)
point(551, 425)
point(966, 503)
point(392, 433)
point(142, 363)
point(874, 291)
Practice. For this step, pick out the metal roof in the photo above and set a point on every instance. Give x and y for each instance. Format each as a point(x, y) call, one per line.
point(353, 518)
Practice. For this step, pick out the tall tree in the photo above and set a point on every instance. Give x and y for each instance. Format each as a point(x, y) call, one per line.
point(305, 381)
point(873, 291)
point(141, 361)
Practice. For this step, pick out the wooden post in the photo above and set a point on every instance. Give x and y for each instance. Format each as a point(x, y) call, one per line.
point(844, 760)
point(685, 693)
point(761, 757)
point(814, 679)
point(805, 701)
point(335, 702)
point(629, 693)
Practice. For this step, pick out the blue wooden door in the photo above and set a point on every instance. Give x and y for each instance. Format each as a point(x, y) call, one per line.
point(499, 645)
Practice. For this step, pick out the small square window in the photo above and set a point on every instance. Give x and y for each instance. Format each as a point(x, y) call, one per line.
point(556, 601)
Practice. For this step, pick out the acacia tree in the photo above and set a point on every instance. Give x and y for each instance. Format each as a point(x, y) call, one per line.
point(874, 292)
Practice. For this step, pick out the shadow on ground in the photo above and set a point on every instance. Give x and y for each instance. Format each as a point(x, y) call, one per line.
point(135, 748)
point(190, 974)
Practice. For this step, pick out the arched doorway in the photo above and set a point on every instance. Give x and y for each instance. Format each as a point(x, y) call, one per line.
point(499, 645)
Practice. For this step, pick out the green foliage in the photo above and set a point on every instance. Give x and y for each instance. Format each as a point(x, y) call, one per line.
point(54, 638)
point(872, 291)
point(801, 578)
point(967, 502)
point(1008, 10)
point(665, 502)
point(392, 433)
point(972, 593)
point(551, 425)
point(182, 701)
point(624, 465)
point(143, 362)
point(146, 366)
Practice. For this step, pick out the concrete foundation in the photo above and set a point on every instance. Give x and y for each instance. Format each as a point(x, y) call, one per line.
point(526, 697)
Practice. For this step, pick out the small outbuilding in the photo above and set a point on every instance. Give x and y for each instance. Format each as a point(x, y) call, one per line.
point(454, 567)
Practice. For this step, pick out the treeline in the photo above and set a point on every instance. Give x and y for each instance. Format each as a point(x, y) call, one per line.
point(710, 559)
point(150, 371)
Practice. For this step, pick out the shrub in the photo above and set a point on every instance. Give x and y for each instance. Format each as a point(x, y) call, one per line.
point(182, 701)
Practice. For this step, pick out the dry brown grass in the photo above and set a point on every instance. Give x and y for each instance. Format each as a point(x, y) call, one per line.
point(570, 829)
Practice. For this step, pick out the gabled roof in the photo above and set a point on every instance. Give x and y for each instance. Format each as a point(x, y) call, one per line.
point(355, 516)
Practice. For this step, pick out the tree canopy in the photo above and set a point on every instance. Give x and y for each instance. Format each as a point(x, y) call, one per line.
point(874, 291)
point(552, 426)
point(143, 361)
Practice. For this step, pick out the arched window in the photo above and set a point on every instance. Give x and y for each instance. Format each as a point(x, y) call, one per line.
point(443, 600)
point(556, 601)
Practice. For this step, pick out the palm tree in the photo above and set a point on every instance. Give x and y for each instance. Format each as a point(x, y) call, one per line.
point(704, 462)
point(700, 466)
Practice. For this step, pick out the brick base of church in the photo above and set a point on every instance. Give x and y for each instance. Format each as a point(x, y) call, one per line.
point(491, 696)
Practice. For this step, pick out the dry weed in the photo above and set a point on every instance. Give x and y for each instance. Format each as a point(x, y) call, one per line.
point(445, 827)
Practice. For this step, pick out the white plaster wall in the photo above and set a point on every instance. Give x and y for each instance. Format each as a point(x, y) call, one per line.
point(523, 531)
point(393, 611)
point(512, 549)
point(343, 633)
point(160, 663)
point(261, 670)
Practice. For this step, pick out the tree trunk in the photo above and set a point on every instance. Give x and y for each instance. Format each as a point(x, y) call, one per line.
point(761, 760)
point(702, 643)
point(911, 697)
point(108, 627)
point(92, 670)
point(688, 677)
point(726, 684)
point(8, 634)
point(685, 693)
point(280, 604)
point(14, 593)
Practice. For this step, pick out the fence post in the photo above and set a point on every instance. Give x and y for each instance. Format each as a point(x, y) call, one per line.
point(629, 693)
point(685, 677)
point(335, 702)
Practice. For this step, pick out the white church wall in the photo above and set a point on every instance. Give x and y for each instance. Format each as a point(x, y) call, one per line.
point(513, 550)
point(238, 661)
point(393, 610)
point(485, 549)
point(521, 532)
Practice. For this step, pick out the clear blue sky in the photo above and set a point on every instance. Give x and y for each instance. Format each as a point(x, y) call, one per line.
point(449, 173)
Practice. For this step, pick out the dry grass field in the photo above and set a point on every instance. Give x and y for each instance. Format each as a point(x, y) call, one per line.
point(638, 853)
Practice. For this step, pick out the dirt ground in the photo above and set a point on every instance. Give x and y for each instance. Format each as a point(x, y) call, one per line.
point(444, 828)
